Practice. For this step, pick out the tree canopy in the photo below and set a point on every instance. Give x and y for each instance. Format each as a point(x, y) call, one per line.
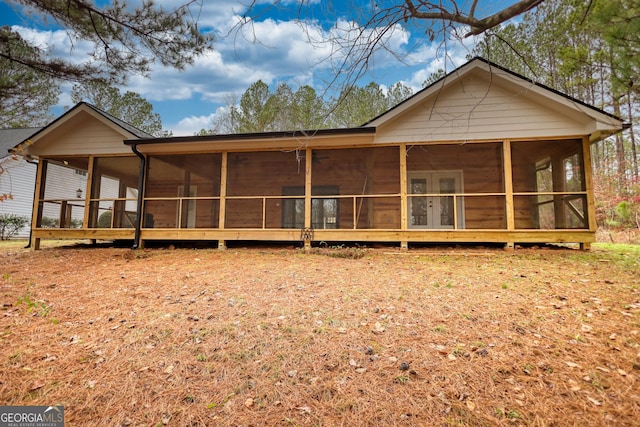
point(591, 51)
point(126, 40)
point(263, 110)
point(25, 95)
point(130, 106)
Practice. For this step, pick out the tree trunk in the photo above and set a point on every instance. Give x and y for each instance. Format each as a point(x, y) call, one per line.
point(632, 138)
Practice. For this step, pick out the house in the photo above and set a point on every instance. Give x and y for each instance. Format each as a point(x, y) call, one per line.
point(481, 155)
point(17, 177)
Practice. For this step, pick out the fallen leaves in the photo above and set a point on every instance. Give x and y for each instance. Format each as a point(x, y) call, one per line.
point(264, 336)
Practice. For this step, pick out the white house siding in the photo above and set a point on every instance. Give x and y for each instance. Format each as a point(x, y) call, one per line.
point(61, 184)
point(481, 107)
point(18, 180)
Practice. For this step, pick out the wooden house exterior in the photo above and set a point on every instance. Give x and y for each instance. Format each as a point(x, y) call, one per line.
point(482, 155)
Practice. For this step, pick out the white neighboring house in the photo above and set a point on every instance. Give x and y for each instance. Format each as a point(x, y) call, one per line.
point(17, 177)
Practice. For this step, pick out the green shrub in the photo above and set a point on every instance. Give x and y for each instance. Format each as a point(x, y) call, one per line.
point(10, 224)
point(104, 220)
point(48, 222)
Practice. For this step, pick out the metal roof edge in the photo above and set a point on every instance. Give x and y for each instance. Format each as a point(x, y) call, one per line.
point(257, 135)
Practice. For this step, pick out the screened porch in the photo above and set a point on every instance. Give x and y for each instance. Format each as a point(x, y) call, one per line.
point(396, 192)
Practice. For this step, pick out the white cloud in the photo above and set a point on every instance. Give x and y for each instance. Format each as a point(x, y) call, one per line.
point(437, 56)
point(270, 50)
point(192, 124)
point(58, 43)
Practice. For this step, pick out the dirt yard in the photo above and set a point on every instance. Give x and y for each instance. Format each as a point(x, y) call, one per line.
point(343, 337)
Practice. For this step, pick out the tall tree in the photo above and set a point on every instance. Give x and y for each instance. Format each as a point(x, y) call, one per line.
point(126, 39)
point(308, 109)
point(25, 95)
point(254, 114)
point(226, 118)
point(280, 106)
point(397, 93)
point(261, 110)
point(589, 50)
point(130, 106)
point(357, 105)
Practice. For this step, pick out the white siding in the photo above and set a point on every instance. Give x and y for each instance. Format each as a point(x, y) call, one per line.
point(18, 180)
point(479, 106)
point(61, 184)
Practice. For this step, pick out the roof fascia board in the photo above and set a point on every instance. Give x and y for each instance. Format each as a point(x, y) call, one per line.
point(256, 137)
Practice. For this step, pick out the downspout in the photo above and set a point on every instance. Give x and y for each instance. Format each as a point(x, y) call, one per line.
point(143, 167)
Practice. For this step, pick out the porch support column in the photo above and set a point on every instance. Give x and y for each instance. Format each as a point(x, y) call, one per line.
point(588, 182)
point(88, 192)
point(403, 193)
point(36, 213)
point(508, 190)
point(138, 243)
point(223, 197)
point(307, 195)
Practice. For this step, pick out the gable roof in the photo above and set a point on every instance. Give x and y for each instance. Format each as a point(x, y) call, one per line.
point(124, 125)
point(605, 123)
point(123, 128)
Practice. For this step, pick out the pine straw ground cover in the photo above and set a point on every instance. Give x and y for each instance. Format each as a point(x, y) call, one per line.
point(277, 337)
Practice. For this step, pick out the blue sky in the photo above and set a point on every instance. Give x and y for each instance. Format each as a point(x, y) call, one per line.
point(275, 49)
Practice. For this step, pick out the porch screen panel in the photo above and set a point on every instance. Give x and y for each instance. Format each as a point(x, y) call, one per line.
point(549, 186)
point(478, 198)
point(256, 184)
point(65, 191)
point(183, 191)
point(114, 194)
point(366, 188)
point(325, 211)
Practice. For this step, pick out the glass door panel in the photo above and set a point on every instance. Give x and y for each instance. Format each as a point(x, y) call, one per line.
point(434, 211)
point(419, 205)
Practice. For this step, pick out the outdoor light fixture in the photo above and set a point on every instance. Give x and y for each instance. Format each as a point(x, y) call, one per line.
point(79, 193)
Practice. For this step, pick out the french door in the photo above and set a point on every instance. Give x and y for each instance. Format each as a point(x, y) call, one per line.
point(429, 205)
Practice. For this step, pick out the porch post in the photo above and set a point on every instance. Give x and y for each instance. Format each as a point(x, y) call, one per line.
point(508, 189)
point(403, 193)
point(142, 179)
point(88, 193)
point(307, 195)
point(36, 212)
point(223, 197)
point(588, 182)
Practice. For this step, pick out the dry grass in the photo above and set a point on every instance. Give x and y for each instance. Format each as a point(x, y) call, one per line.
point(268, 336)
